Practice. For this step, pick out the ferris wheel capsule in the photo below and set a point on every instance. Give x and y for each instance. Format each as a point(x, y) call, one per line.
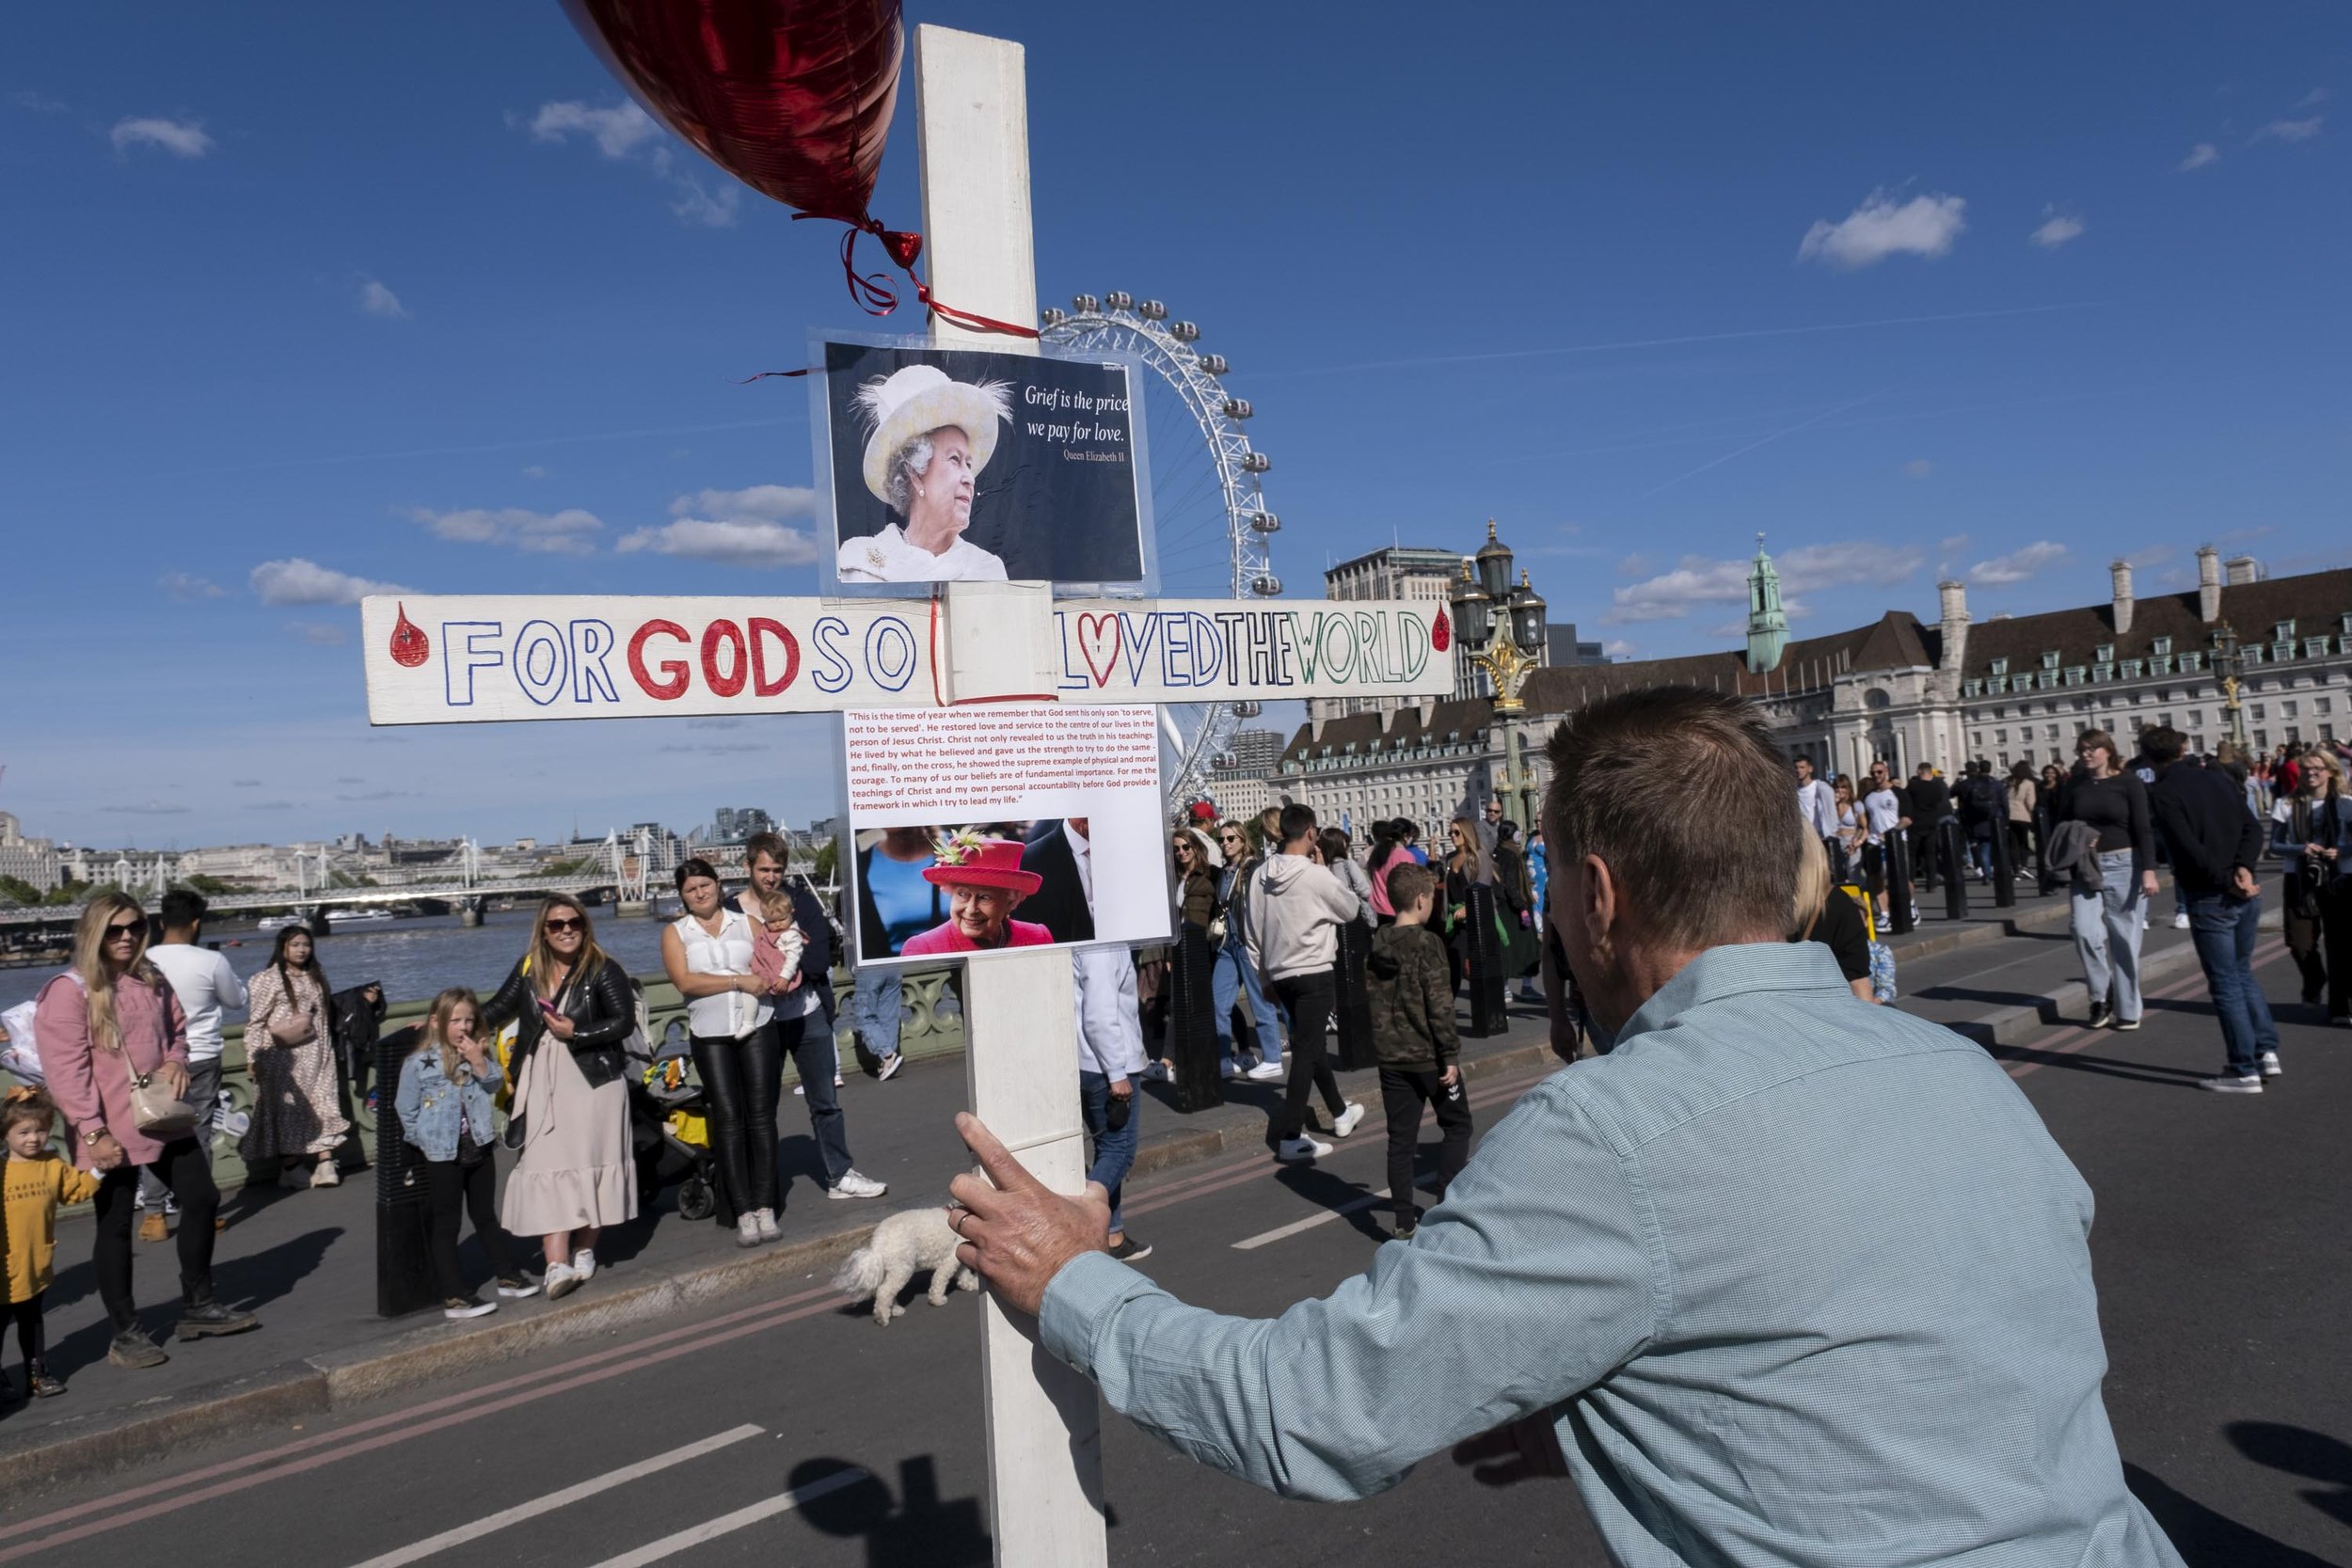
point(1238, 408)
point(1053, 316)
point(1185, 332)
point(1215, 364)
point(1266, 586)
point(1248, 708)
point(1256, 462)
point(1119, 299)
point(1152, 310)
point(1086, 305)
point(1265, 522)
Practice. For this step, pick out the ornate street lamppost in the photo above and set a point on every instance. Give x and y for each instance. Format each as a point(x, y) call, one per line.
point(1507, 668)
point(2229, 662)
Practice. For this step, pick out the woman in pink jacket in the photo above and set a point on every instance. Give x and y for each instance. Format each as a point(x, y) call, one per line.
point(113, 1015)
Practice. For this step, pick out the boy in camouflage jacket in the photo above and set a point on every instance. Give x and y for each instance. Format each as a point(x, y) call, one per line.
point(1411, 979)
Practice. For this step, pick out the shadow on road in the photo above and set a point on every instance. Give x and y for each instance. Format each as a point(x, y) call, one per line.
point(915, 1531)
point(2209, 1540)
point(2109, 1066)
point(2300, 1451)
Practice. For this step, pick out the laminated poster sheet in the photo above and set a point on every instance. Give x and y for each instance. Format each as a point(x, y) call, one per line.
point(984, 829)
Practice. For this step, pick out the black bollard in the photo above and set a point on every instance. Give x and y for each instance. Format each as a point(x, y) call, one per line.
point(1483, 947)
point(1951, 850)
point(2004, 869)
point(1895, 855)
point(1192, 1020)
point(2043, 817)
point(404, 1258)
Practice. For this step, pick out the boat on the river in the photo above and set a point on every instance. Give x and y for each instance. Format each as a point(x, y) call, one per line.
point(368, 911)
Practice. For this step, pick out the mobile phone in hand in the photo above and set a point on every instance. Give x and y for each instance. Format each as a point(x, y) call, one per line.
point(547, 1007)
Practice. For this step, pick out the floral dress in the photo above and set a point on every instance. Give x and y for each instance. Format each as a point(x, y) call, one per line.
point(294, 1085)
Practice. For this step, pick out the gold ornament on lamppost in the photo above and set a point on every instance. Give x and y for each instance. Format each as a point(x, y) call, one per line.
point(1507, 668)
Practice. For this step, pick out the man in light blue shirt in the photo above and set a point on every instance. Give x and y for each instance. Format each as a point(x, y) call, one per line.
point(1791, 1280)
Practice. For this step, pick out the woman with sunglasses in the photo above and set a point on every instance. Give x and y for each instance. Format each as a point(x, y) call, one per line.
point(1234, 975)
point(572, 1007)
point(109, 1019)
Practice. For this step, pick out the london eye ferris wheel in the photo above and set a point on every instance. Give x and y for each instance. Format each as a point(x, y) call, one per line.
point(1209, 518)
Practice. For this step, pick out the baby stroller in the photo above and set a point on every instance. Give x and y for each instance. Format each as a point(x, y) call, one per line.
point(667, 1127)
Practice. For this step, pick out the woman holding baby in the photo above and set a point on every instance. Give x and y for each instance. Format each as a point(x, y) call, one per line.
point(756, 975)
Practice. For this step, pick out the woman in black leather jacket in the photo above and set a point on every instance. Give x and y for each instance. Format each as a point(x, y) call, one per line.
point(572, 1007)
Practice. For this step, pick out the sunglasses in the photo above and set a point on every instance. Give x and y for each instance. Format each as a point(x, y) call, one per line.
point(124, 927)
point(563, 924)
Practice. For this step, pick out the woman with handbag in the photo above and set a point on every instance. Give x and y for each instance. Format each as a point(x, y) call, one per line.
point(113, 1043)
point(2311, 832)
point(572, 1010)
point(289, 1050)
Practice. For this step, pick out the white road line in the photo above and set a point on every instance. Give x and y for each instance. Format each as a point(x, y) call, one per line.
point(670, 1546)
point(1285, 1232)
point(554, 1501)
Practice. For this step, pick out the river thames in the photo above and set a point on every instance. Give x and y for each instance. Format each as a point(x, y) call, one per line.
point(413, 958)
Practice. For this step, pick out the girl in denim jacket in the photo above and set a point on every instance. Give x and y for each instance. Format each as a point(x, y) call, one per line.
point(445, 1110)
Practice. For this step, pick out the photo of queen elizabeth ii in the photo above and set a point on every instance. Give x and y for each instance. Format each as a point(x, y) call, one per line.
point(960, 466)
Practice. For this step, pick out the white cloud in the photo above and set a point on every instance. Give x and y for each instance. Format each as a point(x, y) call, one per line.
point(2057, 230)
point(2018, 565)
point(534, 472)
point(743, 528)
point(732, 541)
point(319, 634)
point(570, 532)
point(2289, 130)
point(704, 206)
point(149, 807)
point(618, 131)
point(1618, 648)
point(775, 502)
point(1808, 568)
point(2313, 98)
point(2205, 152)
point(187, 586)
point(37, 102)
point(184, 139)
point(1924, 226)
point(1920, 467)
point(295, 581)
point(377, 300)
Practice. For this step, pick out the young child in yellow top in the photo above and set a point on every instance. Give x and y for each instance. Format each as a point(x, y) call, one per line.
point(35, 1182)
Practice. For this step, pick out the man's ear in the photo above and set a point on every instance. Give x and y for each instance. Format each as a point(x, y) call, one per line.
point(1598, 911)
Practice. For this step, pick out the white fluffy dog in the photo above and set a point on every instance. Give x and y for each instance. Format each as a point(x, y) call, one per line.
point(904, 1245)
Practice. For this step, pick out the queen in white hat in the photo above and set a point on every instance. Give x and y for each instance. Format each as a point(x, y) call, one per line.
point(931, 436)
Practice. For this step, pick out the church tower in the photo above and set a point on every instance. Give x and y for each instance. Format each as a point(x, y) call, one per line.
point(1768, 623)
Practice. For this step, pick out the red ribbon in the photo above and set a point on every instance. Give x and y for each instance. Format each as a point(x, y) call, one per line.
point(872, 290)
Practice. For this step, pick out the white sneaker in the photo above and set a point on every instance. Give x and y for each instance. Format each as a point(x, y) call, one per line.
point(854, 1185)
point(746, 1230)
point(1300, 1149)
point(559, 1281)
point(458, 1308)
point(890, 1065)
point(1267, 1072)
point(1347, 1120)
point(585, 1264)
point(323, 1174)
point(768, 1231)
point(2270, 1065)
point(2179, 920)
point(2230, 1083)
point(521, 1287)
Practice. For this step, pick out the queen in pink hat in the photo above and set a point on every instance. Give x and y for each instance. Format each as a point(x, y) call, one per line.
point(985, 884)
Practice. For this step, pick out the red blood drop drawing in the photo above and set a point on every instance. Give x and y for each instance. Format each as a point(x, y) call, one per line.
point(1441, 633)
point(410, 646)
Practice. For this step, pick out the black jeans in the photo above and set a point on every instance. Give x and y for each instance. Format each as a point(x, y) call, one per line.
point(1402, 1095)
point(453, 1184)
point(1308, 999)
point(2334, 904)
point(189, 1176)
point(741, 1078)
point(29, 1337)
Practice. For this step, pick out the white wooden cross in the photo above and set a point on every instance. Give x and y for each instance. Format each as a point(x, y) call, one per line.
point(480, 659)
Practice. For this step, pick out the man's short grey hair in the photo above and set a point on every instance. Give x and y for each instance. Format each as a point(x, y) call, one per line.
point(1683, 795)
point(910, 463)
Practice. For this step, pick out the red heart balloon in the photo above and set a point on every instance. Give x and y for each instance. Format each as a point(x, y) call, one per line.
point(792, 97)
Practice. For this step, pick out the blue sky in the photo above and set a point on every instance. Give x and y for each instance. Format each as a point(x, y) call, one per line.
point(304, 298)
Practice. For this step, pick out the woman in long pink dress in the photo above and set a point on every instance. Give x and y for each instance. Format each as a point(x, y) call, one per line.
point(289, 1050)
point(985, 884)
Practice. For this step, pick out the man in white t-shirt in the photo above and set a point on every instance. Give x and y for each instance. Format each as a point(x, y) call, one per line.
point(1816, 801)
point(1883, 809)
point(206, 987)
